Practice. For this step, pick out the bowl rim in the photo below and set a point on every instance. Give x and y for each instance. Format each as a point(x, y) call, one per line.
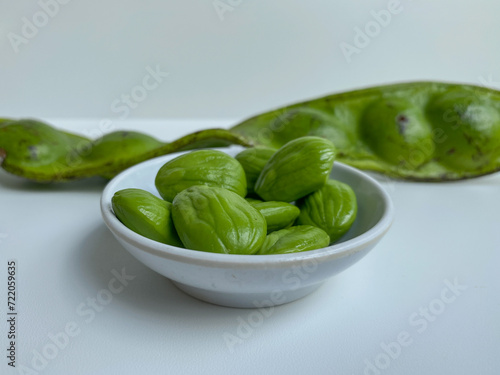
point(183, 255)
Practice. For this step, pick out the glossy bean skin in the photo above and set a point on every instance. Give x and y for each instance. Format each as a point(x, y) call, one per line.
point(146, 214)
point(202, 167)
point(253, 161)
point(278, 215)
point(294, 239)
point(298, 168)
point(214, 219)
point(332, 208)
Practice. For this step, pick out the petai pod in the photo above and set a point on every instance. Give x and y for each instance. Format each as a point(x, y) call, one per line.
point(278, 215)
point(217, 220)
point(294, 240)
point(24, 142)
point(146, 214)
point(423, 131)
point(39, 152)
point(332, 208)
point(253, 161)
point(396, 130)
point(202, 167)
point(119, 146)
point(298, 168)
point(469, 129)
point(33, 148)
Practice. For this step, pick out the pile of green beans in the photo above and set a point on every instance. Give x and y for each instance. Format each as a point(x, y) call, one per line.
point(210, 201)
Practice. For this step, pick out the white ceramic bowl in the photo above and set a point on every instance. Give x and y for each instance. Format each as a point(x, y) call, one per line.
point(252, 280)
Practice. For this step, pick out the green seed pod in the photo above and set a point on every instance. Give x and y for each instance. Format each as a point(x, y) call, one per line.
point(39, 152)
point(31, 144)
point(204, 167)
point(468, 128)
point(298, 168)
point(332, 208)
point(278, 215)
point(253, 161)
point(423, 131)
point(398, 132)
point(146, 214)
point(117, 147)
point(121, 145)
point(217, 220)
point(294, 240)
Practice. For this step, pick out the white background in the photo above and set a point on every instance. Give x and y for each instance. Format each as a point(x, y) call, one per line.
point(260, 55)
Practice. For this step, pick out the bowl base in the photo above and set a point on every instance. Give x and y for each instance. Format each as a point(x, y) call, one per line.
point(247, 300)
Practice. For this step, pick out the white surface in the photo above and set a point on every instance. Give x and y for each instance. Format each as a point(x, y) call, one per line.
point(441, 232)
point(252, 280)
point(262, 53)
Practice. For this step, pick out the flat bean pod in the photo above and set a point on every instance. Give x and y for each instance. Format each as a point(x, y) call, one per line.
point(39, 152)
point(425, 131)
